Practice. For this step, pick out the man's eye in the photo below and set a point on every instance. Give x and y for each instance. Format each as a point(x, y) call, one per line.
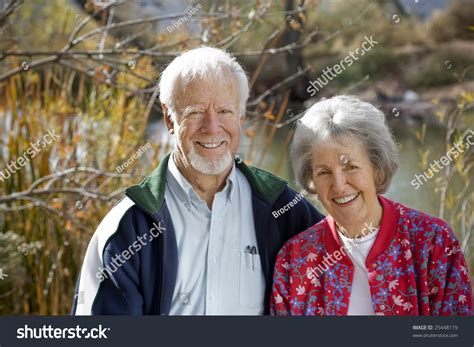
point(225, 111)
point(322, 173)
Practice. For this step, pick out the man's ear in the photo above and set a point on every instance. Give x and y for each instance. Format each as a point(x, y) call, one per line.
point(167, 118)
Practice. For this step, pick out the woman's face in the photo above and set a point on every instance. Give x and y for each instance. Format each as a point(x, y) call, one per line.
point(344, 180)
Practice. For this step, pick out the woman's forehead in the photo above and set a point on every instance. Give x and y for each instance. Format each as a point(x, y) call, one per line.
point(347, 149)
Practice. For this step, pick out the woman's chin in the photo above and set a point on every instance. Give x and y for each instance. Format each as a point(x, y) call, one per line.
point(347, 215)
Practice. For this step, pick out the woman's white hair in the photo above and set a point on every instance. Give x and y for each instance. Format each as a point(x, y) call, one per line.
point(339, 117)
point(206, 63)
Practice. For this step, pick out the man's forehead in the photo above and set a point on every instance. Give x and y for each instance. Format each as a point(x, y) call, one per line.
point(204, 91)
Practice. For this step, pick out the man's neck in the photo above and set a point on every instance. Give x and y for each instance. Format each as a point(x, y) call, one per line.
point(206, 186)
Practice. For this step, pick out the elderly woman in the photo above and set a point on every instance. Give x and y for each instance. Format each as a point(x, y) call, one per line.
point(370, 255)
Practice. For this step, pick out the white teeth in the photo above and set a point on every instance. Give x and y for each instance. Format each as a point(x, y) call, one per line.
point(210, 144)
point(346, 199)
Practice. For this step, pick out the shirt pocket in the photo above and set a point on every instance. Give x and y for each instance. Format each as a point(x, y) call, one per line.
point(252, 282)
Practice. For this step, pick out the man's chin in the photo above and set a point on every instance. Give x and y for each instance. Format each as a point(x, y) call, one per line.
point(210, 166)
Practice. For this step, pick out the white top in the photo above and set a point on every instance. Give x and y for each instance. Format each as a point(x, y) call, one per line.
point(216, 276)
point(360, 303)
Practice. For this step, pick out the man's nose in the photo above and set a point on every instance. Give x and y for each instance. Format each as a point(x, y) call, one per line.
point(211, 122)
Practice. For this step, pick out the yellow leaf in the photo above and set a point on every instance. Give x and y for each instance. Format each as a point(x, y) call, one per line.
point(302, 17)
point(268, 115)
point(250, 132)
point(294, 25)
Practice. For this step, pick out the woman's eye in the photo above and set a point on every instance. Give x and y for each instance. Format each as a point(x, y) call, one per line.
point(322, 173)
point(352, 167)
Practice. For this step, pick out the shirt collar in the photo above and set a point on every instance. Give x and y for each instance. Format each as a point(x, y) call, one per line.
point(185, 191)
point(386, 233)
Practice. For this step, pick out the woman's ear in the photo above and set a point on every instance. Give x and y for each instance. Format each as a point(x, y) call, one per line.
point(167, 118)
point(379, 180)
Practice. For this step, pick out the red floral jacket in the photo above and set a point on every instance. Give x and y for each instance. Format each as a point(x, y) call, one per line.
point(415, 268)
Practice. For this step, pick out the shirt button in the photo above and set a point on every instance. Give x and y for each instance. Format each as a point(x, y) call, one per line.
point(382, 307)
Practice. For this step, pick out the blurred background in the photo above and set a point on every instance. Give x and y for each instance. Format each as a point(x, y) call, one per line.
point(88, 70)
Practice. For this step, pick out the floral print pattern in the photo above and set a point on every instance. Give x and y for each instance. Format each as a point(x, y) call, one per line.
point(415, 267)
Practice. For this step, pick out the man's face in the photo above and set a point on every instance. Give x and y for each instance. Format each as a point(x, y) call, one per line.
point(208, 124)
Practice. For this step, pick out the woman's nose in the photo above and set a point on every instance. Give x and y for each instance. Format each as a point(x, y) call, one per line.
point(339, 181)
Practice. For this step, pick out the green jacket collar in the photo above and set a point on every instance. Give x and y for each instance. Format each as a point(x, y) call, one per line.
point(150, 193)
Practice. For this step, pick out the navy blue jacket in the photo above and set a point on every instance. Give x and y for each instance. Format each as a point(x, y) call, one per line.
point(144, 284)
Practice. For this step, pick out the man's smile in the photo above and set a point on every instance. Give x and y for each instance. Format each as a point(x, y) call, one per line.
point(211, 144)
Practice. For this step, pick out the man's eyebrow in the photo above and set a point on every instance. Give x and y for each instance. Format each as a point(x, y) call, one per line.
point(191, 108)
point(229, 105)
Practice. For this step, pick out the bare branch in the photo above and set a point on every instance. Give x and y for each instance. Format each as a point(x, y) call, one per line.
point(34, 64)
point(257, 100)
point(11, 7)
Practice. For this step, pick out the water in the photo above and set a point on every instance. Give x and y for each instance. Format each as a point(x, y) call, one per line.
point(401, 190)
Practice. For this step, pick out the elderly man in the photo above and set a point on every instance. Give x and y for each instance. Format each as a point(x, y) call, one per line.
point(197, 236)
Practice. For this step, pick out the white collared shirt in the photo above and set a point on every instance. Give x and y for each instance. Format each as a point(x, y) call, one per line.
point(360, 303)
point(216, 276)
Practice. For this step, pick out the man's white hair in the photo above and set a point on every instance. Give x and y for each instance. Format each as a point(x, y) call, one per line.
point(206, 63)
